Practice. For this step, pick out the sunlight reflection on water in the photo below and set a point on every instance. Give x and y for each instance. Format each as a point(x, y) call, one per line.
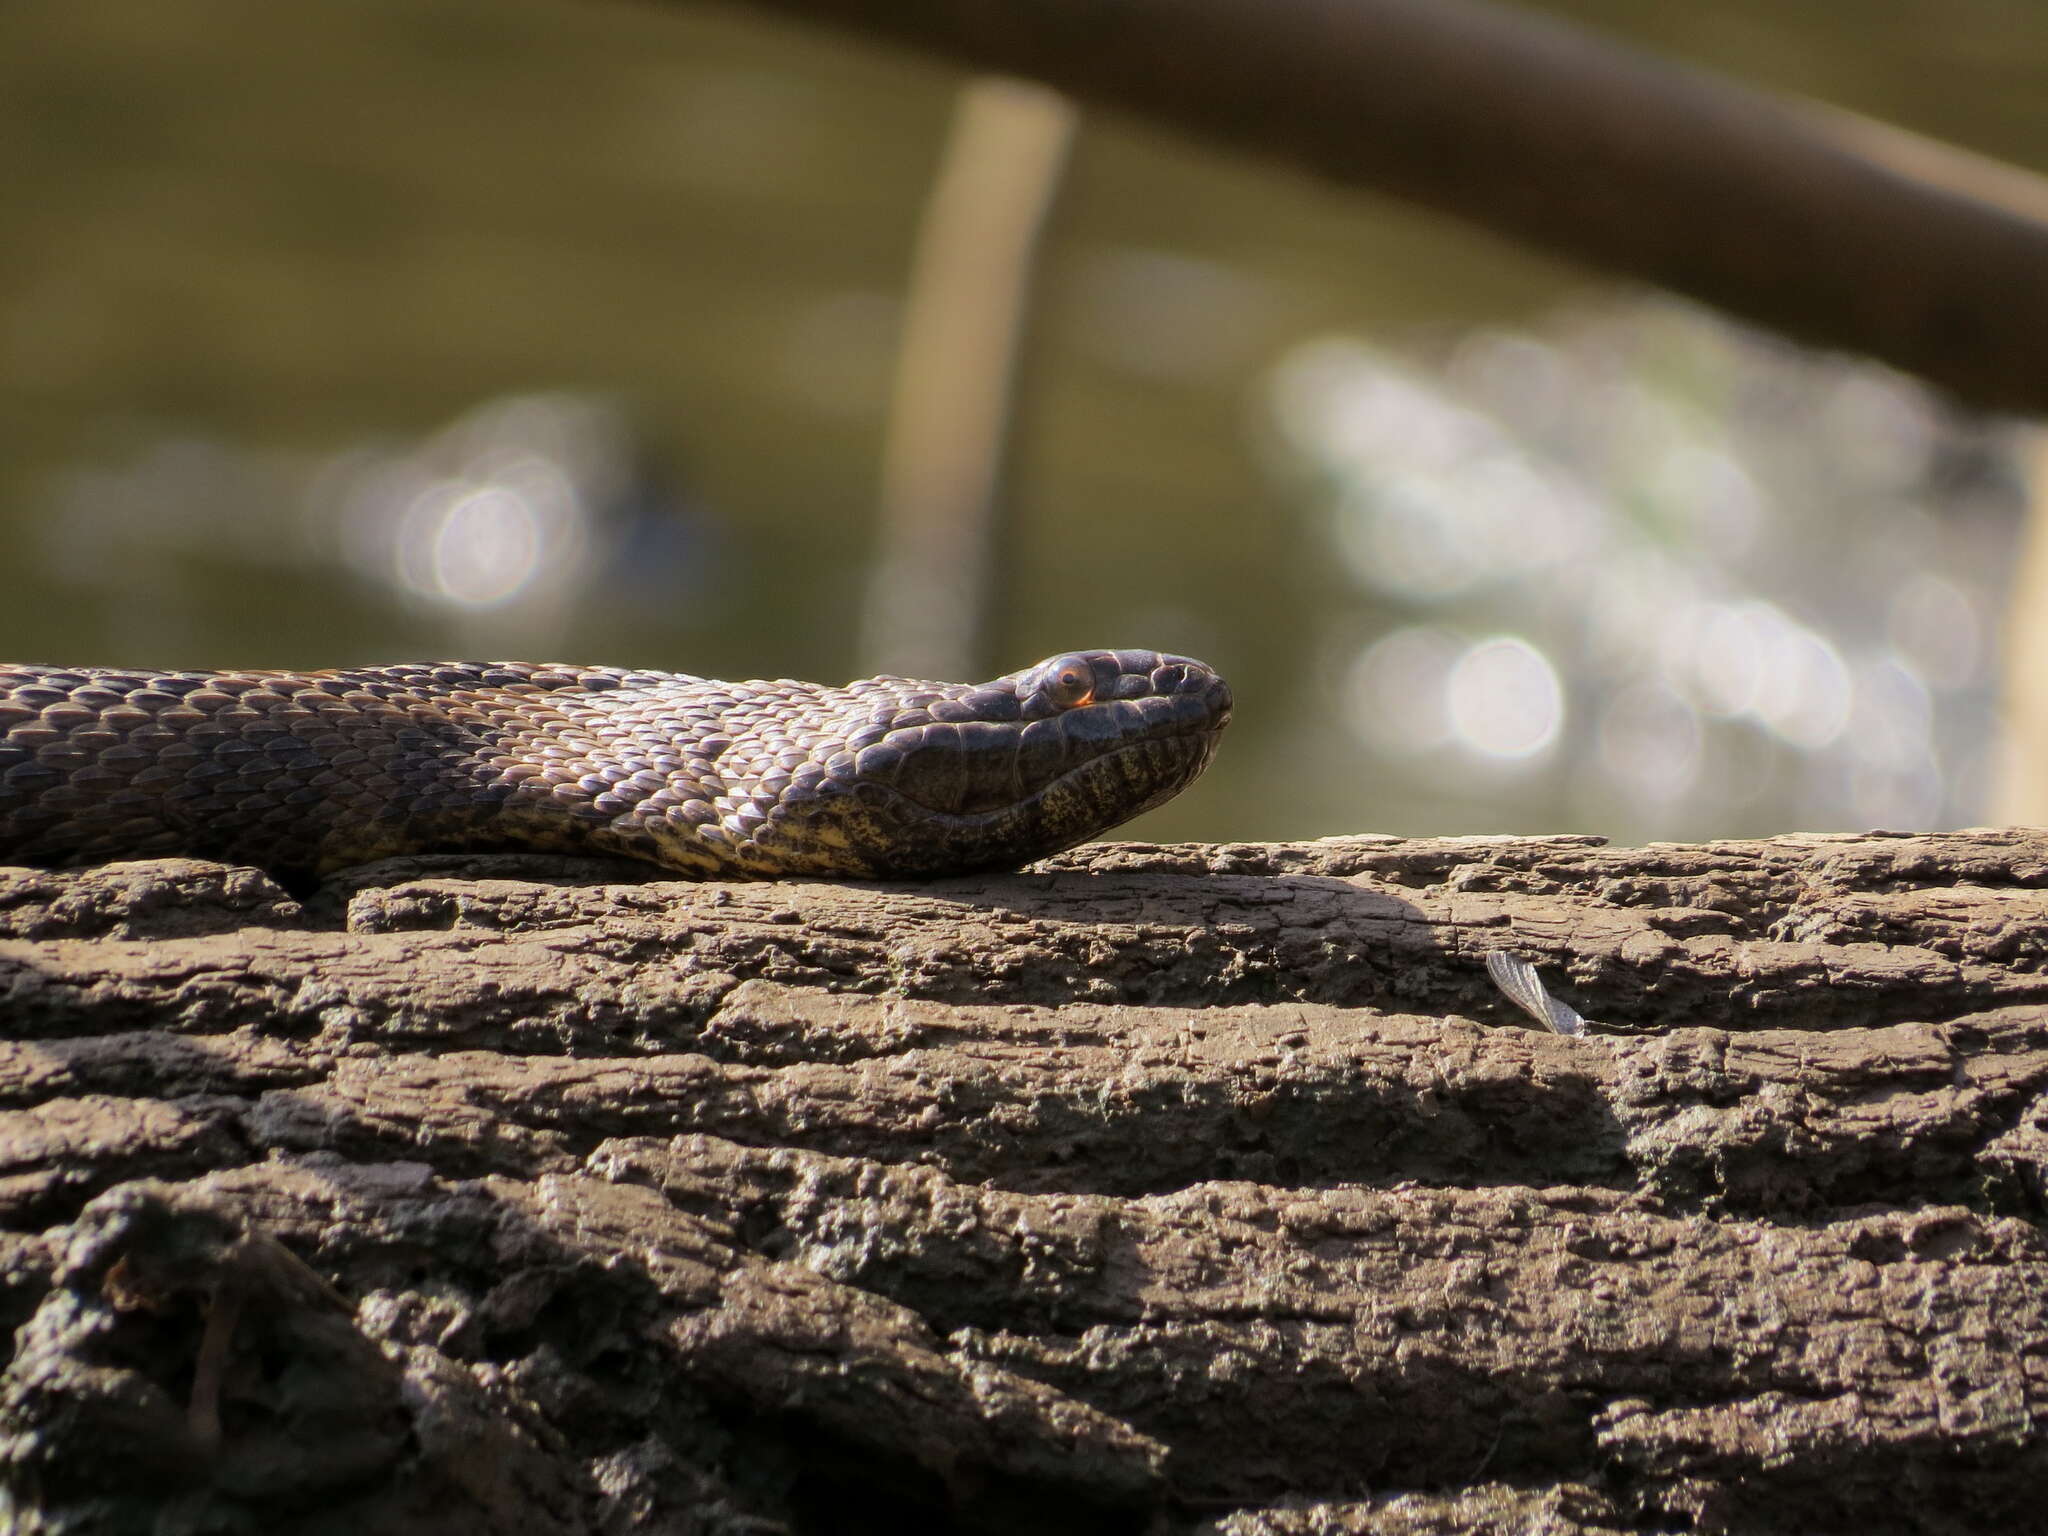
point(1682, 541)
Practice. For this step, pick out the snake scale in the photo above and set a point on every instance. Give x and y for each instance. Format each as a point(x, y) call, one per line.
point(302, 773)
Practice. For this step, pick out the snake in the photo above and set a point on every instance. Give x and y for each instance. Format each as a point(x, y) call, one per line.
point(887, 778)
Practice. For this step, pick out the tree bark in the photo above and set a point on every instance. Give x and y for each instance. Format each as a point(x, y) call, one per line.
point(1180, 1188)
point(1826, 227)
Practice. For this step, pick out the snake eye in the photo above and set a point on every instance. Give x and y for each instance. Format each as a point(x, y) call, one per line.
point(1069, 683)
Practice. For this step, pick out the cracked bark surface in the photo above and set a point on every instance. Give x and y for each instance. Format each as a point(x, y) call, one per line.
point(1171, 1189)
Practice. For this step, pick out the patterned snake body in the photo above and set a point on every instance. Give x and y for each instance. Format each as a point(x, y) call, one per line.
point(305, 772)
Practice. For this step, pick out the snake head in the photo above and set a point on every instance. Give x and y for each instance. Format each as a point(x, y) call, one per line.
point(947, 777)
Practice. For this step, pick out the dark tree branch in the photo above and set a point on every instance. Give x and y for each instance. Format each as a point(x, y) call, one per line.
point(1843, 235)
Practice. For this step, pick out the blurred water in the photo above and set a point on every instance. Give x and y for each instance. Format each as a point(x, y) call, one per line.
point(1745, 585)
point(381, 329)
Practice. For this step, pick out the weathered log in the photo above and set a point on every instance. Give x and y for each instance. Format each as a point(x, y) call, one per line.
point(1169, 1188)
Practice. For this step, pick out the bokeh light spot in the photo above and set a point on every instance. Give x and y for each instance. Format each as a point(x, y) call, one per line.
point(1504, 699)
point(1933, 622)
point(1395, 695)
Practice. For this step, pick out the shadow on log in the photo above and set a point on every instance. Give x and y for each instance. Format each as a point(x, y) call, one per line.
point(1163, 1189)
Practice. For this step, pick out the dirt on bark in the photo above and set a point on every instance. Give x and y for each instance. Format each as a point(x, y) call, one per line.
point(1157, 1189)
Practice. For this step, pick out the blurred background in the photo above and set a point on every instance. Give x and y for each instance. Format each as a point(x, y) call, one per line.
point(360, 330)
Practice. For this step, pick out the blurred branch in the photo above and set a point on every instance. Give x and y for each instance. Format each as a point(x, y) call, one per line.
point(1840, 232)
point(963, 320)
point(2020, 794)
